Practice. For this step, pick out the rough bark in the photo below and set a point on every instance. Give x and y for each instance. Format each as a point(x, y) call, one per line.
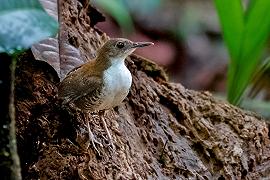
point(161, 131)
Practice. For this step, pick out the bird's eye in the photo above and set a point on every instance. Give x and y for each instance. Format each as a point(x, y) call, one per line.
point(120, 45)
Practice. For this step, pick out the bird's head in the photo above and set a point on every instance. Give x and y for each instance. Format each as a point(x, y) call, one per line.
point(120, 48)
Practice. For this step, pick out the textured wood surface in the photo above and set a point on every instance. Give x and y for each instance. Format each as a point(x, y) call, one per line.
point(161, 131)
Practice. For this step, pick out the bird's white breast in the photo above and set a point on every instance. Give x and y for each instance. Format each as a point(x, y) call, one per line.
point(117, 82)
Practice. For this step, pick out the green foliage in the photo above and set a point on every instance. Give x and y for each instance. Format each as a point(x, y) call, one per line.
point(245, 33)
point(23, 23)
point(119, 12)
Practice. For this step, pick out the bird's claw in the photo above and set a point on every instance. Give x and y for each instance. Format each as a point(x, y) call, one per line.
point(111, 146)
point(94, 142)
point(93, 139)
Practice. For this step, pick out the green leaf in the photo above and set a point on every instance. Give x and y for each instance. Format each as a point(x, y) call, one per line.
point(255, 35)
point(119, 12)
point(260, 78)
point(245, 34)
point(23, 23)
point(231, 15)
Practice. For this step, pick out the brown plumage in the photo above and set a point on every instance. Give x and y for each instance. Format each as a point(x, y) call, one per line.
point(81, 86)
point(103, 82)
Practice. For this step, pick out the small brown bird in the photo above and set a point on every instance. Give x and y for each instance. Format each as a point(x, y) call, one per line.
point(102, 83)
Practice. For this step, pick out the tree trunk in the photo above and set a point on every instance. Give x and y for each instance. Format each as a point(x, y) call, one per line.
point(161, 131)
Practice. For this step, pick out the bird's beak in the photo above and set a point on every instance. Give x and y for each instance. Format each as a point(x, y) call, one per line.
point(141, 44)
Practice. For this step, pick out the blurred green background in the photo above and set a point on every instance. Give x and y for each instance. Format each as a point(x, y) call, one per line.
point(215, 45)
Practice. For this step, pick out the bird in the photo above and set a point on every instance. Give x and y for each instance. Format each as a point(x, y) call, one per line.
point(102, 83)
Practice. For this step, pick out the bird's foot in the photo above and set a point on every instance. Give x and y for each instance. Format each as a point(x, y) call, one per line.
point(111, 145)
point(94, 142)
point(93, 139)
point(110, 139)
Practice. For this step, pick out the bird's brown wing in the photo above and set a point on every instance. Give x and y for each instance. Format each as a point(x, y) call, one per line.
point(74, 69)
point(75, 87)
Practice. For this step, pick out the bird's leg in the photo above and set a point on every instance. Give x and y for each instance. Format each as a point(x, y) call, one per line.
point(102, 113)
point(91, 136)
